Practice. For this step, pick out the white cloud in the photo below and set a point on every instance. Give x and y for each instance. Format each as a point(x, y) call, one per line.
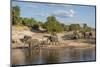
point(59, 13)
point(71, 13)
point(43, 15)
point(64, 13)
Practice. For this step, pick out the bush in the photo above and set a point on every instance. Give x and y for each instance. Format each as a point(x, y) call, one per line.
point(52, 24)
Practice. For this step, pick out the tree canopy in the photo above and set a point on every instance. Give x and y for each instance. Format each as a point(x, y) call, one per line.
point(51, 24)
point(74, 27)
point(15, 15)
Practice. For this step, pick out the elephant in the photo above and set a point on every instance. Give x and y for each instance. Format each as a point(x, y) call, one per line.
point(31, 42)
point(75, 35)
point(53, 40)
point(87, 34)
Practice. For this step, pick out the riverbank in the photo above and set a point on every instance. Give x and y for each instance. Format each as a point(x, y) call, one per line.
point(67, 44)
point(18, 33)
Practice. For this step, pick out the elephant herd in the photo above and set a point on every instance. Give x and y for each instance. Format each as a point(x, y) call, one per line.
point(80, 35)
point(52, 39)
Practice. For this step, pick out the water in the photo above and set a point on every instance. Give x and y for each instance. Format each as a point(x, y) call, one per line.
point(48, 55)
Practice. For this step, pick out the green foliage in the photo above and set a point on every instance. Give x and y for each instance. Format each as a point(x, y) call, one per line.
point(65, 27)
point(52, 24)
point(15, 15)
point(42, 24)
point(16, 11)
point(36, 27)
point(30, 22)
point(85, 25)
point(74, 27)
point(17, 20)
point(86, 28)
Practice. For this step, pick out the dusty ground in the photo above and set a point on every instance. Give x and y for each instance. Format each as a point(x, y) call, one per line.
point(18, 34)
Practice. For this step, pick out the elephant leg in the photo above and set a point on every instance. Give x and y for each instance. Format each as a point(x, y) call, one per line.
point(24, 45)
point(58, 42)
point(49, 43)
point(29, 46)
point(54, 43)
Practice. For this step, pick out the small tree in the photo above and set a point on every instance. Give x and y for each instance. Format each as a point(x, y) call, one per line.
point(52, 24)
point(86, 28)
point(36, 27)
point(15, 15)
point(74, 27)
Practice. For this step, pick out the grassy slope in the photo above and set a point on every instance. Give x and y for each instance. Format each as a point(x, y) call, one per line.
point(20, 27)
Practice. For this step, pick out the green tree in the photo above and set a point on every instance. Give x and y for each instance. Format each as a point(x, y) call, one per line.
point(30, 22)
point(36, 26)
point(85, 25)
point(52, 24)
point(15, 15)
point(86, 28)
point(74, 27)
point(66, 28)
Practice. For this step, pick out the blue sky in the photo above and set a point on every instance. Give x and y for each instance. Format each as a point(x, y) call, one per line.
point(64, 13)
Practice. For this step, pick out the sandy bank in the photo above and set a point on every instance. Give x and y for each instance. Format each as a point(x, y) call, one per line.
point(18, 34)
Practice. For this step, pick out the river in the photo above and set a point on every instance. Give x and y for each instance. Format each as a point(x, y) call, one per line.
point(51, 55)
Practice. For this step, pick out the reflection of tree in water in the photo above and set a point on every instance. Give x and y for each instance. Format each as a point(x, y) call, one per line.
point(31, 55)
point(81, 55)
point(48, 56)
point(74, 55)
point(34, 56)
point(52, 56)
point(18, 57)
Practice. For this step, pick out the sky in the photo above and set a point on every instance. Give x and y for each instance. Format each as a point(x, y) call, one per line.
point(64, 13)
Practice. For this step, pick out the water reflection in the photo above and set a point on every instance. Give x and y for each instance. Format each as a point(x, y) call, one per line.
point(31, 55)
point(47, 56)
point(18, 56)
point(50, 56)
point(88, 55)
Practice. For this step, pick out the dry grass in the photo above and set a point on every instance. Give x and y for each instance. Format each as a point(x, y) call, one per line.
point(20, 27)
